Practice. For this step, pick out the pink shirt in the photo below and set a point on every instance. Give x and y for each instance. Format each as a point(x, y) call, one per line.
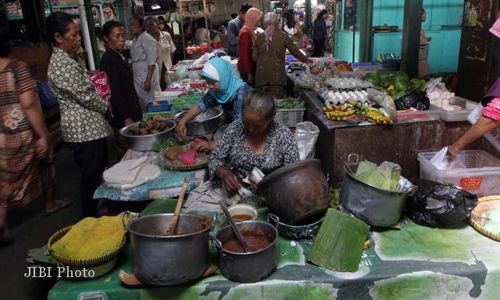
point(492, 110)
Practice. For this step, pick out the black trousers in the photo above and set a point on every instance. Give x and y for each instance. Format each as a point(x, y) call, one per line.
point(92, 159)
point(319, 48)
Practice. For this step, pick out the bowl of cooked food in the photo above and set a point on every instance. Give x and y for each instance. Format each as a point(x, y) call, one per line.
point(143, 135)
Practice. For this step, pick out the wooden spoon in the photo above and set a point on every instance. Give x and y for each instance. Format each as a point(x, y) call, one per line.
point(175, 219)
point(235, 229)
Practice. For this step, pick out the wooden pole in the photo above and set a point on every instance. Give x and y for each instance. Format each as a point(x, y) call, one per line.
point(411, 36)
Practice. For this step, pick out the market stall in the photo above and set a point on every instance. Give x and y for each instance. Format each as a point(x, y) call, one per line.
point(415, 261)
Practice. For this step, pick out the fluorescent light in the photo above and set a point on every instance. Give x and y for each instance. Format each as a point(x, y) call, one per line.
point(155, 6)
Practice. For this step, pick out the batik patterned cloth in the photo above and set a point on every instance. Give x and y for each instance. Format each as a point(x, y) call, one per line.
point(82, 111)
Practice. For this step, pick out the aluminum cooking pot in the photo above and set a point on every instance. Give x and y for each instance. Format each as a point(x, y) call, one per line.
point(146, 142)
point(296, 232)
point(161, 259)
point(297, 193)
point(247, 266)
point(373, 205)
point(203, 124)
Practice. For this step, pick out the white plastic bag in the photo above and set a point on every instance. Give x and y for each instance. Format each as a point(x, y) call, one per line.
point(306, 134)
point(439, 160)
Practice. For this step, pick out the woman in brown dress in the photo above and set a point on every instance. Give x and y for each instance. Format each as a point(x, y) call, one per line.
point(269, 54)
point(24, 148)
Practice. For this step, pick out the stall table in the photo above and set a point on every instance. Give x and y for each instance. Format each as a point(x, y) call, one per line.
point(399, 143)
point(168, 184)
point(415, 262)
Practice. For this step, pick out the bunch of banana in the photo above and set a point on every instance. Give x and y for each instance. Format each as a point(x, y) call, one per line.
point(338, 112)
point(377, 117)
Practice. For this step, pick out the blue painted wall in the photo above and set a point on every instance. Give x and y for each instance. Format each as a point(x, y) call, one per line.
point(442, 25)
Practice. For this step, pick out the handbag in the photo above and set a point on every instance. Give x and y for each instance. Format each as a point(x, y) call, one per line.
point(100, 81)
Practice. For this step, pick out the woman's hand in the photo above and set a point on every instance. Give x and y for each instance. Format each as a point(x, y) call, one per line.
point(147, 85)
point(41, 148)
point(181, 129)
point(229, 180)
point(201, 145)
point(453, 151)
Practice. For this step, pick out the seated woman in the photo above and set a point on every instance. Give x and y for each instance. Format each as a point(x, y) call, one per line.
point(254, 141)
point(224, 88)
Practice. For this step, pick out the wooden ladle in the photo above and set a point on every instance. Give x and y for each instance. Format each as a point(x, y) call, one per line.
point(175, 218)
point(235, 229)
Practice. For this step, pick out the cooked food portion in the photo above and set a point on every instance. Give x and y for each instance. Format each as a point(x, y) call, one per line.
point(91, 238)
point(149, 126)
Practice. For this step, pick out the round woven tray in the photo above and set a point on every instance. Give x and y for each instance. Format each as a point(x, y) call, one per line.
point(78, 263)
point(477, 219)
point(200, 162)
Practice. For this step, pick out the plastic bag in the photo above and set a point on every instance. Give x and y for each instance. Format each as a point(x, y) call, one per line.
point(306, 134)
point(415, 99)
point(383, 100)
point(440, 205)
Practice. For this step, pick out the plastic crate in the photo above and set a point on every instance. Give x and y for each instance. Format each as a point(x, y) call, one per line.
point(479, 173)
point(290, 117)
point(458, 115)
point(494, 137)
point(157, 106)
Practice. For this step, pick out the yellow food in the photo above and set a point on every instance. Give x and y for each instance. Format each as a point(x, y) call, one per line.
point(338, 112)
point(91, 238)
point(375, 116)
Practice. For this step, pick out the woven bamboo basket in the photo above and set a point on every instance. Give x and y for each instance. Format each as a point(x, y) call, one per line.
point(79, 263)
point(200, 162)
point(477, 219)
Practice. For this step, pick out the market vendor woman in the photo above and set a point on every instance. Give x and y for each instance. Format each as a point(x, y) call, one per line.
point(490, 115)
point(225, 89)
point(255, 140)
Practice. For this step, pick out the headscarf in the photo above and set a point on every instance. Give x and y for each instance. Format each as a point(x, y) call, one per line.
point(220, 70)
point(271, 20)
point(252, 17)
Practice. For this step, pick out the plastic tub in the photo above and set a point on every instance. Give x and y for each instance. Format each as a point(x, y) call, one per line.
point(479, 172)
point(405, 116)
point(458, 115)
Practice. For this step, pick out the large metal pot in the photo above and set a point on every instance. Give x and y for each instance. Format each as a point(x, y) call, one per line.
point(146, 142)
point(375, 206)
point(205, 123)
point(297, 193)
point(247, 266)
point(161, 259)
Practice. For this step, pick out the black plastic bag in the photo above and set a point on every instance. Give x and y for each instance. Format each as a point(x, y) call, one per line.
point(415, 99)
point(440, 205)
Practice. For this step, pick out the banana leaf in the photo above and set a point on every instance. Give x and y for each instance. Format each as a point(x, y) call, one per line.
point(339, 242)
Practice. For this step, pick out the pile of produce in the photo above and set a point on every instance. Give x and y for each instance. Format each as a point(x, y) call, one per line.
point(149, 126)
point(341, 97)
point(289, 103)
point(396, 84)
point(91, 238)
point(338, 83)
point(357, 112)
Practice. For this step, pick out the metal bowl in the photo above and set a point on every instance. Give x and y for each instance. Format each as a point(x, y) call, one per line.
point(205, 123)
point(147, 141)
point(296, 232)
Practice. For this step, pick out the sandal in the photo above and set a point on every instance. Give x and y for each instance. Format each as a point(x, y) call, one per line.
point(59, 205)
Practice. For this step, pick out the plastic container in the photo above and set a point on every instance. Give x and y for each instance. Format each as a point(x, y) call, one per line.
point(157, 106)
point(290, 117)
point(458, 115)
point(480, 173)
point(494, 137)
point(433, 113)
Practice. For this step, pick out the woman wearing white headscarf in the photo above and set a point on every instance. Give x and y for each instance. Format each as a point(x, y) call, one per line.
point(269, 54)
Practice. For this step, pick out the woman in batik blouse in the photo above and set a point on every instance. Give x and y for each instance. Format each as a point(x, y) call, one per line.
point(83, 123)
